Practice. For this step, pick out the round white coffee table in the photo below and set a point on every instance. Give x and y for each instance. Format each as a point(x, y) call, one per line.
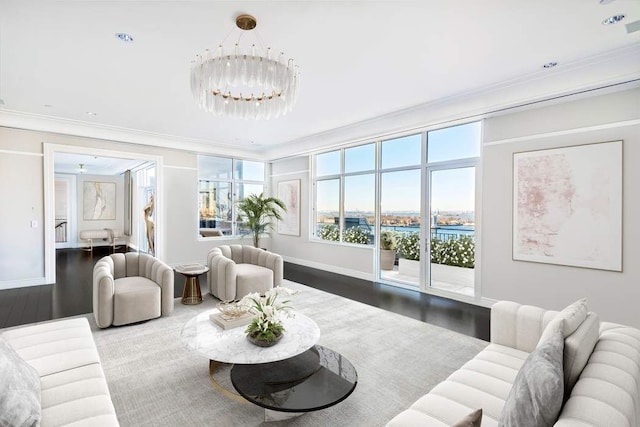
point(232, 346)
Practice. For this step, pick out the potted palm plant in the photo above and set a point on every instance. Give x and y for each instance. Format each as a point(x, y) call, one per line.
point(388, 245)
point(258, 213)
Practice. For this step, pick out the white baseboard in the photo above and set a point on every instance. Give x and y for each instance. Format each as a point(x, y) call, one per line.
point(331, 268)
point(23, 283)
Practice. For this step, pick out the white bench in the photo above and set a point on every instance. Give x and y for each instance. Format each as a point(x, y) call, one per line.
point(106, 234)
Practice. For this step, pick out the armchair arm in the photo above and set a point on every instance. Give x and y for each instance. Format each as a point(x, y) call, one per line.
point(103, 290)
point(222, 275)
point(164, 278)
point(518, 326)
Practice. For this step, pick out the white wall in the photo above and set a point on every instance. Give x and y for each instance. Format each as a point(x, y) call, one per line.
point(355, 261)
point(21, 245)
point(613, 295)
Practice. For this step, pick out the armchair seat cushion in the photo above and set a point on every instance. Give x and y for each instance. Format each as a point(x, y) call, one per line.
point(253, 278)
point(136, 299)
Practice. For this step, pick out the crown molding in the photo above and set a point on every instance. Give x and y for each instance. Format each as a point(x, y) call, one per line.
point(42, 123)
point(586, 77)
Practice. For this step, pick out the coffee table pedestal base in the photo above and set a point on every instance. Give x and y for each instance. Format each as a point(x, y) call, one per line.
point(272, 416)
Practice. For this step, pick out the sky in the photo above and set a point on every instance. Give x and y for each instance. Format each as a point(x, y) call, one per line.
point(450, 189)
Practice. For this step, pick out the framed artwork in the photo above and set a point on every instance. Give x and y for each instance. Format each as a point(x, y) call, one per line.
point(99, 200)
point(289, 193)
point(567, 206)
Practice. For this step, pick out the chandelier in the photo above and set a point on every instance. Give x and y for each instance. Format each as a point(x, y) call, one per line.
point(246, 85)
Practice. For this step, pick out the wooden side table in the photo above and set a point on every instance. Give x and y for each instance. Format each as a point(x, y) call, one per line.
point(191, 293)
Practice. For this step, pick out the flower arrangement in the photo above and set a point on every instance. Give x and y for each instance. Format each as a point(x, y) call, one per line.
point(266, 327)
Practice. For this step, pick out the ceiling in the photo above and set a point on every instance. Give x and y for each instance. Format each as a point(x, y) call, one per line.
point(359, 60)
point(95, 165)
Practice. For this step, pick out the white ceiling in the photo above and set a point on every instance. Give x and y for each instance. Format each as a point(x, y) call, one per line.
point(359, 60)
point(94, 165)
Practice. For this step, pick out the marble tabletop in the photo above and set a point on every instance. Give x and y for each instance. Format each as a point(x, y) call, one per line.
point(231, 345)
point(191, 269)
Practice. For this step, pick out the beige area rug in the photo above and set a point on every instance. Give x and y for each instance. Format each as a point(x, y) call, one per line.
point(155, 381)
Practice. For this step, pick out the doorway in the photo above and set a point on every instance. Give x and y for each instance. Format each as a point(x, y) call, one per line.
point(50, 153)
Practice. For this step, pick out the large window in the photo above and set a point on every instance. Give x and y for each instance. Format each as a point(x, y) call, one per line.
point(421, 188)
point(222, 182)
point(345, 195)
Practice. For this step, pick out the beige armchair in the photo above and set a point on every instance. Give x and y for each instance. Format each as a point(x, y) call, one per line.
point(131, 287)
point(236, 270)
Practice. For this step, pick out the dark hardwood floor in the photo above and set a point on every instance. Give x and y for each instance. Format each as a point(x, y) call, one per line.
point(73, 292)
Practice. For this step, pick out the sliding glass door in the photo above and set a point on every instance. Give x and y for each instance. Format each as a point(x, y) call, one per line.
point(452, 229)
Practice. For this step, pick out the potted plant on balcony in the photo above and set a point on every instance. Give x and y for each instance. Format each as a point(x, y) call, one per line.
point(388, 244)
point(258, 213)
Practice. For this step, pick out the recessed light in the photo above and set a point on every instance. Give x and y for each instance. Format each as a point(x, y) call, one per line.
point(614, 19)
point(606, 1)
point(125, 37)
point(550, 64)
point(91, 113)
point(47, 105)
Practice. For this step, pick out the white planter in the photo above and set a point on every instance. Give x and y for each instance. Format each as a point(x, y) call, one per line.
point(409, 267)
point(387, 259)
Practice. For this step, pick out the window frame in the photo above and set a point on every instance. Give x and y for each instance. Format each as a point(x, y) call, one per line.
point(234, 184)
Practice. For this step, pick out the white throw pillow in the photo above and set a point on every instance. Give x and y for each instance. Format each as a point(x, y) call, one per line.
point(569, 319)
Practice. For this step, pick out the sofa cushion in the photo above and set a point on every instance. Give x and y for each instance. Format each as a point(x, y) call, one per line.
point(20, 393)
point(536, 396)
point(608, 390)
point(54, 346)
point(483, 382)
point(474, 419)
point(77, 395)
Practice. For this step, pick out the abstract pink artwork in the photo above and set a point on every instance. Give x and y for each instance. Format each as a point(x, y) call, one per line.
point(567, 206)
point(289, 193)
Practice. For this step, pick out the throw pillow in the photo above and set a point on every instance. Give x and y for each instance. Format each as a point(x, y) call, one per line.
point(474, 419)
point(20, 391)
point(577, 349)
point(535, 399)
point(570, 317)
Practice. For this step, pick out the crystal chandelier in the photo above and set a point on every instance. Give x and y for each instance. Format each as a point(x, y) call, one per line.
point(246, 85)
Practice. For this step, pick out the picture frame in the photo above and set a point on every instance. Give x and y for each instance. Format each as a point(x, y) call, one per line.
point(99, 200)
point(289, 193)
point(567, 206)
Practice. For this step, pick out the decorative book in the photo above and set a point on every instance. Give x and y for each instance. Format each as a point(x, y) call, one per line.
point(229, 322)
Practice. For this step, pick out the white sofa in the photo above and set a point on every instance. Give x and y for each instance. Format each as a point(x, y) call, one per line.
point(74, 391)
point(237, 270)
point(601, 359)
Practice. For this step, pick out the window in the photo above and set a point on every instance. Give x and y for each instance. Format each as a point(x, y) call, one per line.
point(221, 183)
point(345, 199)
point(422, 189)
